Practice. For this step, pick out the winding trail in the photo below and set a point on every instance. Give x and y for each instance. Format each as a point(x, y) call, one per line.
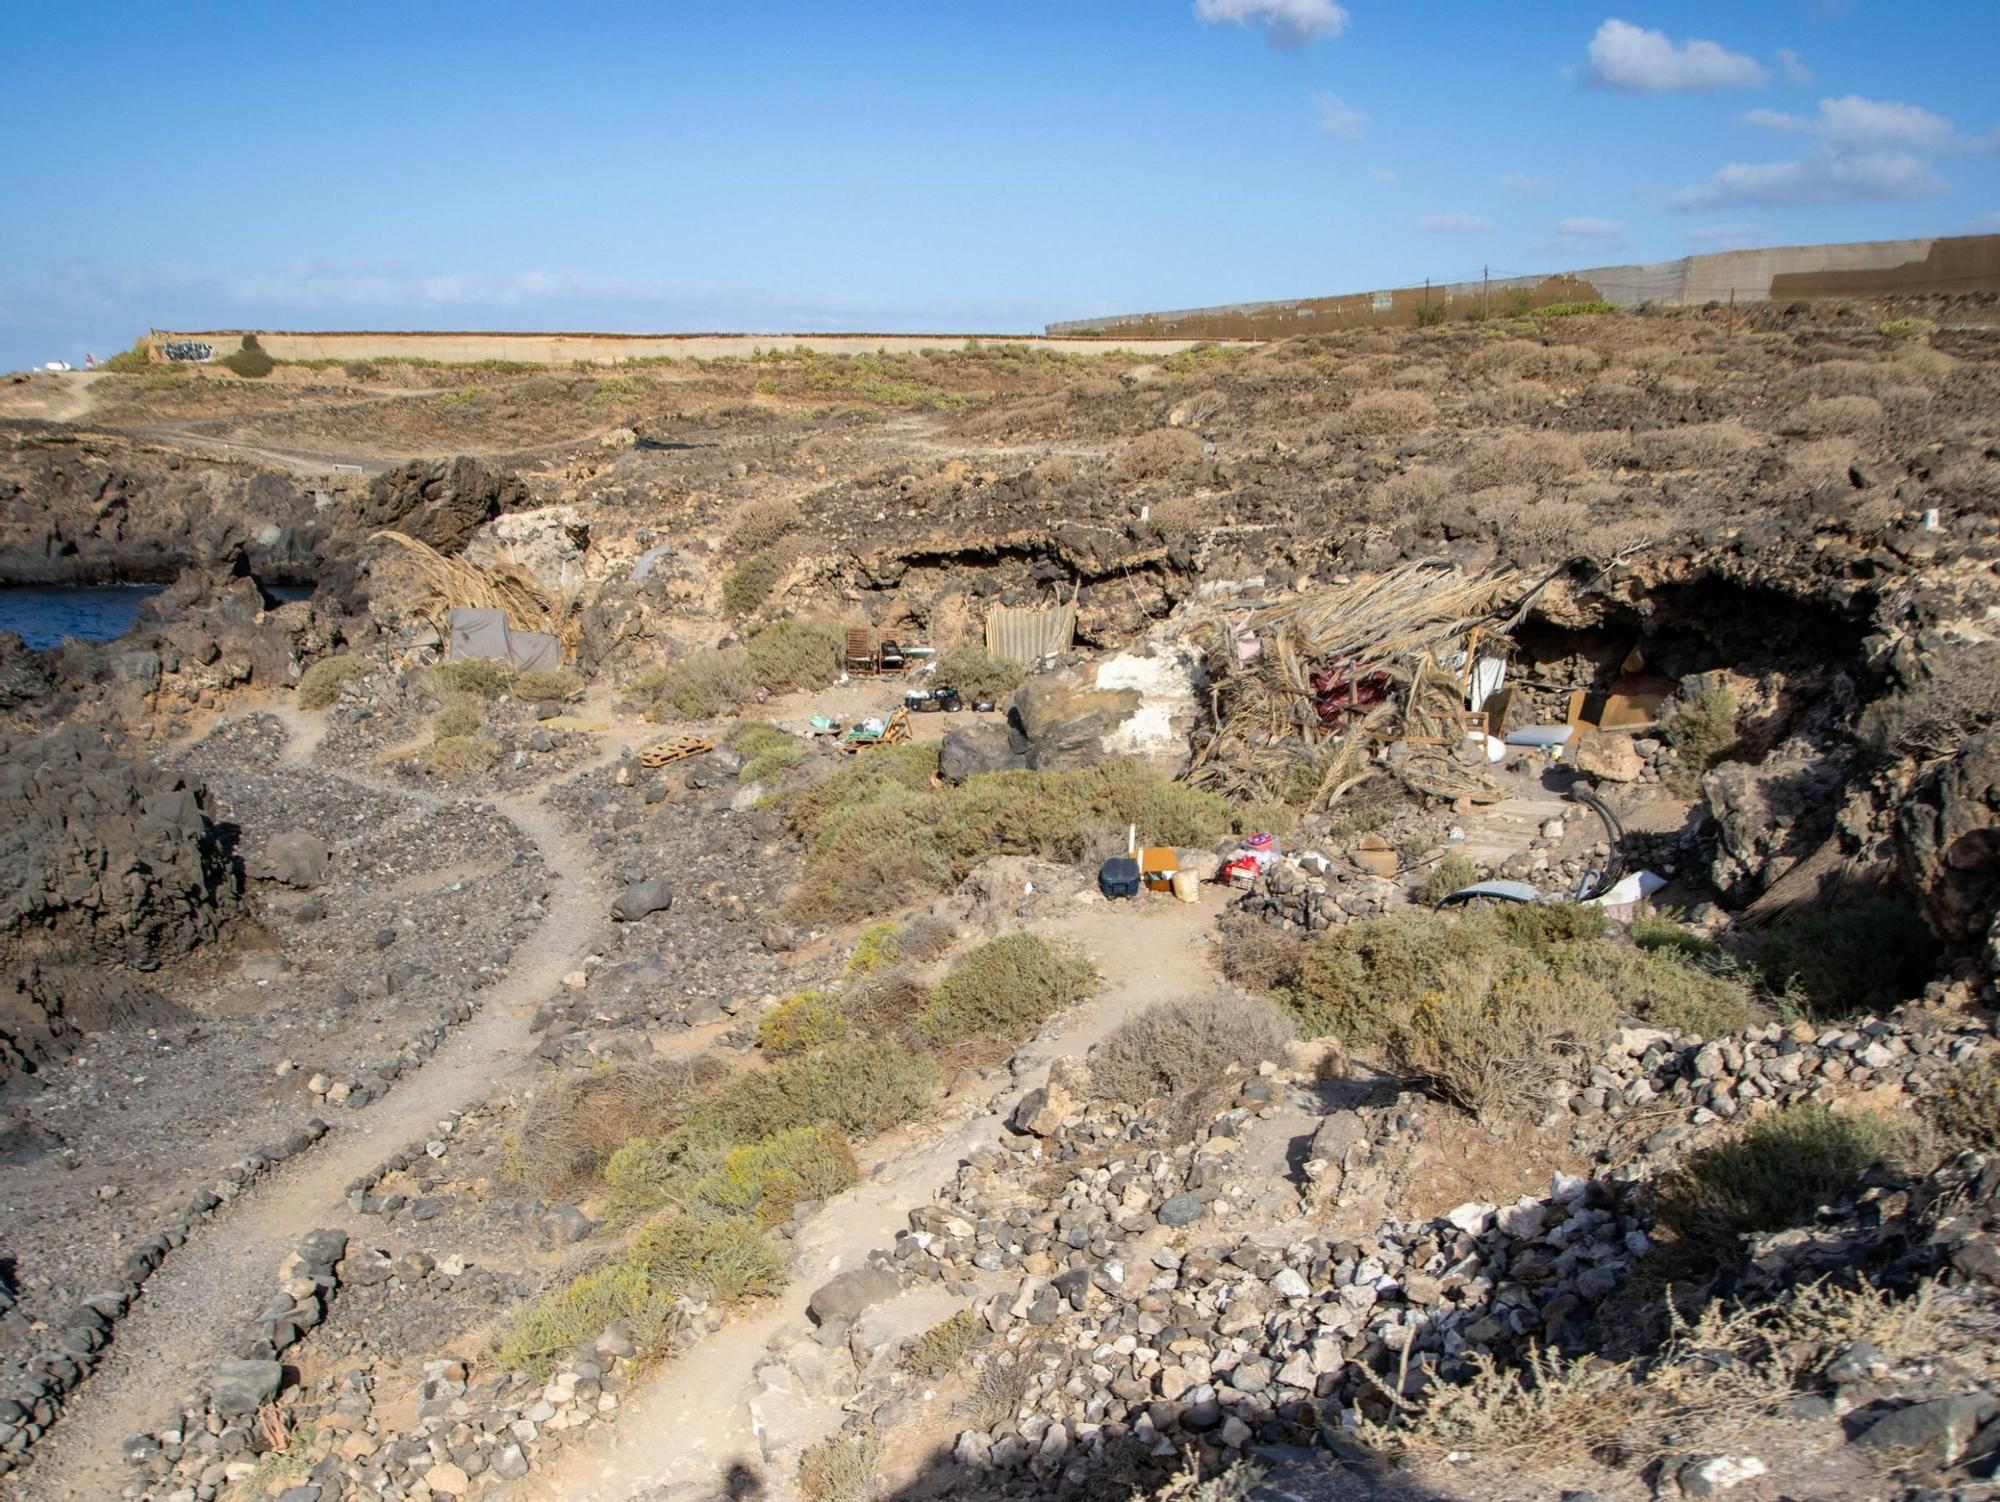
point(207, 1292)
point(682, 1431)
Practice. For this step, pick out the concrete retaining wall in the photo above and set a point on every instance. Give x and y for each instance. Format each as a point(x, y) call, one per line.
point(1875, 268)
point(606, 349)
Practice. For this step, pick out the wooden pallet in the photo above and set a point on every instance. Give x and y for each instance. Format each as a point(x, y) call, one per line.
point(895, 733)
point(677, 748)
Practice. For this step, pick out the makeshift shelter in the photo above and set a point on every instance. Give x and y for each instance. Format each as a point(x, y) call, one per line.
point(1026, 633)
point(485, 633)
point(444, 588)
point(1363, 678)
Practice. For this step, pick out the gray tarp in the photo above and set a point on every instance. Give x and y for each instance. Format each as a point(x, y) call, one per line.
point(485, 633)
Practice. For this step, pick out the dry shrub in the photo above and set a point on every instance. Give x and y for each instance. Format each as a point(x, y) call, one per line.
point(1005, 989)
point(1603, 448)
point(841, 1468)
point(1837, 414)
point(1521, 459)
point(1707, 445)
point(573, 1128)
point(548, 686)
point(1184, 1048)
point(760, 524)
point(1510, 400)
point(1540, 527)
point(459, 714)
point(1921, 365)
point(1418, 378)
point(861, 1087)
point(1494, 1033)
point(1162, 454)
point(1179, 515)
point(1259, 956)
point(482, 677)
point(457, 758)
point(1413, 493)
point(320, 684)
point(1836, 378)
point(926, 937)
point(1388, 414)
point(1824, 461)
point(887, 1004)
point(1559, 363)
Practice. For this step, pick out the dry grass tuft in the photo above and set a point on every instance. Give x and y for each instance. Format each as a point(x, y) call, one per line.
point(1162, 454)
point(1184, 1048)
point(1387, 414)
point(1521, 459)
point(841, 1468)
point(1837, 414)
point(573, 1128)
point(762, 524)
point(1966, 1108)
point(938, 1351)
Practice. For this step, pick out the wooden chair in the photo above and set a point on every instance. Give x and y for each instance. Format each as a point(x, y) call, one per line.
point(860, 656)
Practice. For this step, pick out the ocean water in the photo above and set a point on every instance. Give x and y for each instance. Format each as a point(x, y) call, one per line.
point(43, 614)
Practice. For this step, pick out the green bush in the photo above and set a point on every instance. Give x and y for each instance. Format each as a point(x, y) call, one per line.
point(1431, 314)
point(1498, 1001)
point(1774, 1176)
point(790, 655)
point(862, 1087)
point(250, 361)
point(486, 677)
point(459, 714)
point(1197, 358)
point(1452, 873)
point(1966, 1107)
point(765, 1180)
point(883, 814)
point(1651, 931)
point(547, 686)
point(766, 750)
point(976, 673)
point(1702, 730)
point(938, 1351)
point(1839, 962)
point(728, 1260)
point(697, 687)
point(558, 1322)
point(320, 684)
point(1572, 309)
point(880, 945)
point(801, 1022)
point(1005, 989)
point(750, 582)
point(138, 360)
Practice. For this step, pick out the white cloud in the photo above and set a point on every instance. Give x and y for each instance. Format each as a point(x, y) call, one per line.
point(1583, 235)
point(1337, 118)
point(1735, 236)
point(1793, 66)
point(1624, 56)
point(1382, 174)
point(1286, 23)
point(1853, 123)
point(1521, 182)
point(1458, 222)
point(1821, 177)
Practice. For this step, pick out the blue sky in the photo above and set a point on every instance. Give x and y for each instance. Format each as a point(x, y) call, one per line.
point(971, 167)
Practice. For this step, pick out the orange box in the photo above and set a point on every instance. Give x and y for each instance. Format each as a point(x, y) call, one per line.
point(1157, 864)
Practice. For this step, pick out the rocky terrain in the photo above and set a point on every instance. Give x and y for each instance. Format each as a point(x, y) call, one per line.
point(425, 1079)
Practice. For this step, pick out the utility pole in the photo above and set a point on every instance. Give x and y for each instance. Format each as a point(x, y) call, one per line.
point(1485, 291)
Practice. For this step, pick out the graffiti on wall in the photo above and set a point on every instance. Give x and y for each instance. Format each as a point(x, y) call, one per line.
point(187, 349)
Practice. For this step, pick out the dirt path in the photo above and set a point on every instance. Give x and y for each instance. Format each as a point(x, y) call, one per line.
point(681, 1433)
point(196, 1308)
